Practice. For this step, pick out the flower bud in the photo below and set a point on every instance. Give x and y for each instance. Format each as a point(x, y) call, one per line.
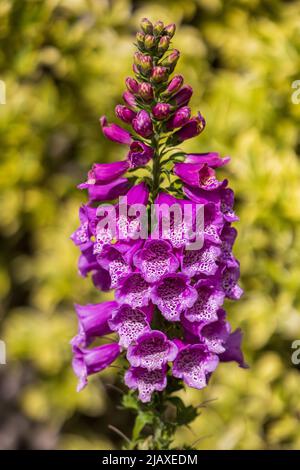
point(159, 74)
point(191, 129)
point(142, 124)
point(170, 29)
point(146, 91)
point(140, 38)
point(179, 119)
point(132, 85)
point(137, 58)
point(183, 96)
point(163, 45)
point(129, 99)
point(149, 42)
point(124, 113)
point(171, 60)
point(174, 85)
point(158, 28)
point(161, 111)
point(139, 154)
point(146, 26)
point(145, 65)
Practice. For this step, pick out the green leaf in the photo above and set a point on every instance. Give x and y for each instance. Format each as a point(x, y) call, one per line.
point(141, 420)
point(129, 401)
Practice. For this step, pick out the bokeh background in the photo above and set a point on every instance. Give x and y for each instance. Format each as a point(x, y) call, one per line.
point(64, 64)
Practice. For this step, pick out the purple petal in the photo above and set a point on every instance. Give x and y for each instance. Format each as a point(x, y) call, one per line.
point(114, 132)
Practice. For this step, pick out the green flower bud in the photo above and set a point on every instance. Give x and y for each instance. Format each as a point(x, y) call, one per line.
point(158, 28)
point(170, 29)
point(163, 45)
point(159, 74)
point(149, 42)
point(145, 65)
point(171, 60)
point(140, 37)
point(146, 26)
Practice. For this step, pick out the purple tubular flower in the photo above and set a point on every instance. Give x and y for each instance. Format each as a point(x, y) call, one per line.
point(194, 364)
point(101, 279)
point(155, 260)
point(93, 320)
point(228, 237)
point(205, 309)
point(129, 99)
point(139, 154)
point(233, 350)
point(112, 260)
point(142, 124)
point(90, 361)
point(212, 159)
point(87, 262)
point(125, 114)
point(175, 230)
point(179, 119)
point(152, 350)
point(200, 262)
point(183, 96)
point(133, 290)
point(230, 277)
point(130, 323)
point(103, 173)
point(146, 381)
point(197, 174)
point(161, 111)
point(81, 236)
point(191, 129)
point(173, 294)
point(216, 334)
point(114, 132)
point(108, 192)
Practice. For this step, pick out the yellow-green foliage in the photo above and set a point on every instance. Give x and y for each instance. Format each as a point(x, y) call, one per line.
point(63, 63)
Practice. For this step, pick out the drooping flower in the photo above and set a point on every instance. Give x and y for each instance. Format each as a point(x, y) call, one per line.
point(233, 350)
point(173, 294)
point(146, 381)
point(89, 361)
point(133, 290)
point(152, 350)
point(103, 173)
point(201, 262)
point(93, 320)
point(207, 304)
point(130, 323)
point(194, 365)
point(155, 259)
